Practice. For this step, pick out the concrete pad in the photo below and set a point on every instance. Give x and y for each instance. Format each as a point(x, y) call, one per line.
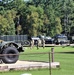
point(28, 65)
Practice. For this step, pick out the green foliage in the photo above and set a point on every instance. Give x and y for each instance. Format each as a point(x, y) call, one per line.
point(7, 24)
point(38, 16)
point(10, 16)
point(3, 25)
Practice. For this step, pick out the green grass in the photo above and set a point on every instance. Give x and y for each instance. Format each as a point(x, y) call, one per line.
point(66, 61)
point(33, 72)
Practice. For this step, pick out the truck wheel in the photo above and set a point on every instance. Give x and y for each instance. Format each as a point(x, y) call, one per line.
point(26, 43)
point(10, 58)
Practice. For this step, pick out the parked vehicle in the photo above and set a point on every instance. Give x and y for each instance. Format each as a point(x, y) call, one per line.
point(9, 51)
point(61, 39)
point(22, 39)
point(48, 40)
point(72, 39)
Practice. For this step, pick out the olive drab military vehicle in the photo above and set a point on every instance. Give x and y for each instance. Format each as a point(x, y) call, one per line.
point(9, 51)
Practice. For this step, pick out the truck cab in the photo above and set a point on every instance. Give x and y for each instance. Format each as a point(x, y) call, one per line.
point(9, 51)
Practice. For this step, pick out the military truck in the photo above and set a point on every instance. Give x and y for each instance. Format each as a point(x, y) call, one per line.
point(22, 39)
point(9, 51)
point(61, 39)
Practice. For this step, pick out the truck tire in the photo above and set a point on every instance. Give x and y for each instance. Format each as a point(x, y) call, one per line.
point(26, 43)
point(10, 58)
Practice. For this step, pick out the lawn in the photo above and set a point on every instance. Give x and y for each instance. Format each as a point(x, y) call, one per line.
point(66, 61)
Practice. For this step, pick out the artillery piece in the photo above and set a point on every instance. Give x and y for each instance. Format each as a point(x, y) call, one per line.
point(9, 51)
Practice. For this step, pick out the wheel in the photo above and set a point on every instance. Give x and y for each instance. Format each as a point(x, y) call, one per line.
point(26, 43)
point(10, 58)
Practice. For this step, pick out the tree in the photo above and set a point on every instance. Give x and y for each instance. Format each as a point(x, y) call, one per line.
point(52, 10)
point(7, 24)
point(67, 15)
point(4, 25)
point(2, 11)
point(10, 15)
point(33, 21)
point(38, 16)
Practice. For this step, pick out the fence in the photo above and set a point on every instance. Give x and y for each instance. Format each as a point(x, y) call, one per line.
point(66, 60)
point(29, 61)
point(39, 60)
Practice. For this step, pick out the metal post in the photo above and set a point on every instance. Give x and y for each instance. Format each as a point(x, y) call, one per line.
point(52, 54)
point(49, 63)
